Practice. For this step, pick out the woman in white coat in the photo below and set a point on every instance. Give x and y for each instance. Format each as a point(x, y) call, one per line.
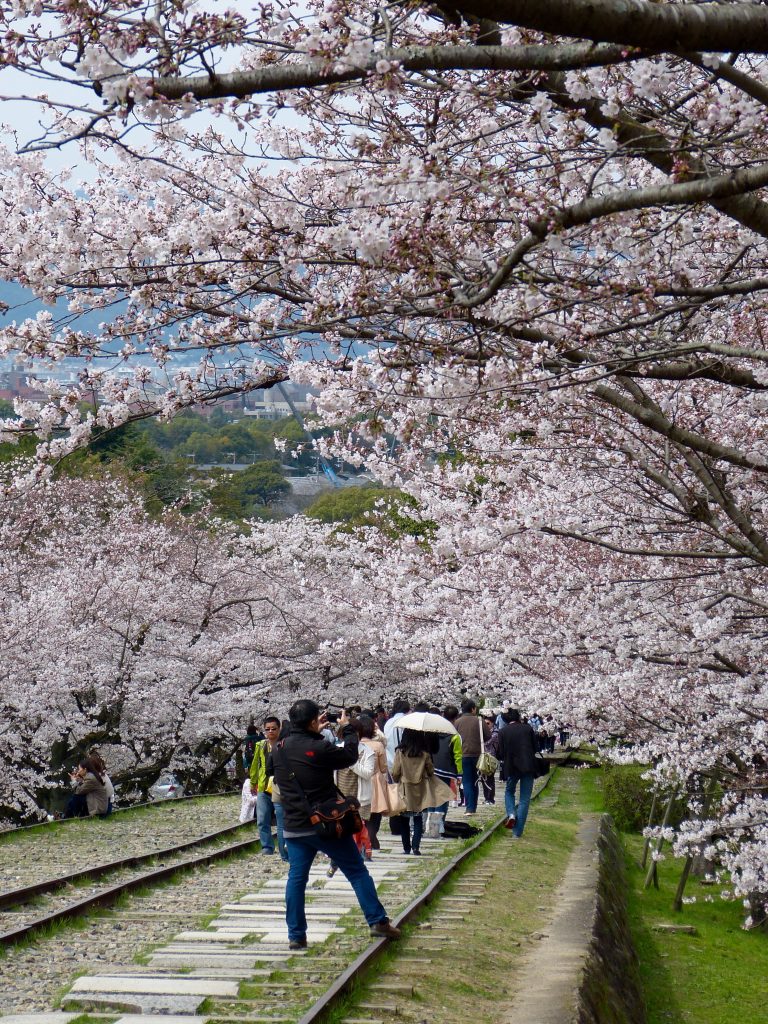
point(371, 769)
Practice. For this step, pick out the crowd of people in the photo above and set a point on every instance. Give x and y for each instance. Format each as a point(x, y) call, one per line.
point(328, 780)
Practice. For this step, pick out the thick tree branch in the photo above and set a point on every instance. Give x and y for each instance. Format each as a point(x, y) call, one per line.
point(278, 77)
point(639, 140)
point(659, 423)
point(741, 27)
point(620, 201)
point(645, 552)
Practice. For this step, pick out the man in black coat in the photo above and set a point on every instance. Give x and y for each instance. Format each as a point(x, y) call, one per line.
point(517, 752)
point(303, 765)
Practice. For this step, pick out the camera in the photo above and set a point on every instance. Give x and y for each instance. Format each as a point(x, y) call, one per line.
point(332, 716)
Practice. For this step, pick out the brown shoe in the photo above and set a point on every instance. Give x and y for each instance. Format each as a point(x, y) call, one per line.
point(385, 930)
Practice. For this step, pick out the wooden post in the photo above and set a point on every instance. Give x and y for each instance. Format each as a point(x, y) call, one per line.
point(690, 859)
point(678, 904)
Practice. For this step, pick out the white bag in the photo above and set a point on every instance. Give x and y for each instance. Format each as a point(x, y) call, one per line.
point(248, 806)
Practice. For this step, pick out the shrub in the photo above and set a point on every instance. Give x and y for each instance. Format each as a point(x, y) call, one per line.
point(627, 796)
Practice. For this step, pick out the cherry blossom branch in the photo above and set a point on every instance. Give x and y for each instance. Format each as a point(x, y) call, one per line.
point(659, 423)
point(281, 77)
point(643, 552)
point(700, 190)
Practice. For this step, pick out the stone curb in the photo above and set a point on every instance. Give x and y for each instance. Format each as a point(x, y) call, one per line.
point(583, 969)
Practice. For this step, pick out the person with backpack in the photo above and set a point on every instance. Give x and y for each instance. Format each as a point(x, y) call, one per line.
point(303, 765)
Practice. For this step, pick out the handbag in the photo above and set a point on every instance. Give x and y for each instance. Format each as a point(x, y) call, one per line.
point(541, 766)
point(334, 818)
point(487, 764)
point(395, 798)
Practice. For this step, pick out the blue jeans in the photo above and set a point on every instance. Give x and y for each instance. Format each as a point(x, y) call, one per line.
point(469, 781)
point(264, 808)
point(518, 810)
point(280, 819)
point(345, 854)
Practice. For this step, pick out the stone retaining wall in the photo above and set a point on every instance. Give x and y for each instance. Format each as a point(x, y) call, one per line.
point(610, 991)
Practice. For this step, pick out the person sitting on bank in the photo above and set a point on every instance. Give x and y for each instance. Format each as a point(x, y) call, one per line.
point(90, 783)
point(303, 765)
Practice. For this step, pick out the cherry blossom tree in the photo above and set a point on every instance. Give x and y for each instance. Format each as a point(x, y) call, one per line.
point(157, 640)
point(518, 248)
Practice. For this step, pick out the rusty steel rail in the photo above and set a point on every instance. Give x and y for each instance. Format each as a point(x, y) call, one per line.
point(15, 829)
point(108, 896)
point(346, 980)
point(13, 897)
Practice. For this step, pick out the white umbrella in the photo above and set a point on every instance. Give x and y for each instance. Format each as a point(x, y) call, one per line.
point(423, 721)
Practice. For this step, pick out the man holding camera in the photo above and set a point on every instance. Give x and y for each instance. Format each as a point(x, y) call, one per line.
point(303, 765)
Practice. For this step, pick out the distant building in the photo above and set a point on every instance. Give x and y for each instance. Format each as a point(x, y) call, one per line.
point(269, 404)
point(13, 384)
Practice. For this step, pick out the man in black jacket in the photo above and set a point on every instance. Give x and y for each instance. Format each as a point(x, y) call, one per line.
point(303, 765)
point(517, 752)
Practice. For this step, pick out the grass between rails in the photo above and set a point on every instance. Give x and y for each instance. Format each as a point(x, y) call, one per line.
point(713, 977)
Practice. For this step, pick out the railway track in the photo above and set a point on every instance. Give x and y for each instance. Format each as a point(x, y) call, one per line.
point(237, 968)
point(21, 908)
point(41, 826)
point(39, 853)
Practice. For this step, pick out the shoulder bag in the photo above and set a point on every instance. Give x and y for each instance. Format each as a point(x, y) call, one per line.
point(395, 798)
point(487, 764)
point(332, 819)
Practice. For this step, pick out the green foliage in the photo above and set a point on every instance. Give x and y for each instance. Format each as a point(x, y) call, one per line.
point(370, 505)
point(350, 505)
point(627, 796)
point(239, 495)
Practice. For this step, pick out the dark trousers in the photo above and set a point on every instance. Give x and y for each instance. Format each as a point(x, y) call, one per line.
point(418, 831)
point(77, 806)
point(469, 782)
point(489, 788)
point(374, 824)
